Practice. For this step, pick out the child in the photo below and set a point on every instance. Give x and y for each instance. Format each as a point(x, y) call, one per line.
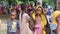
point(56, 21)
point(13, 24)
point(40, 20)
point(24, 17)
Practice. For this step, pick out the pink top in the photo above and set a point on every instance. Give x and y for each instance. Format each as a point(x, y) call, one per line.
point(38, 26)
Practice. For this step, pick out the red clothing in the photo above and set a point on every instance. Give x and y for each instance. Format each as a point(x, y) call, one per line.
point(18, 7)
point(28, 7)
point(1, 12)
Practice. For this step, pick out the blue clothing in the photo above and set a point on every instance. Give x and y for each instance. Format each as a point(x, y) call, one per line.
point(53, 27)
point(49, 13)
point(12, 27)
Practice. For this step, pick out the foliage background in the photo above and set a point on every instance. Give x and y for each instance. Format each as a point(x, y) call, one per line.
point(50, 2)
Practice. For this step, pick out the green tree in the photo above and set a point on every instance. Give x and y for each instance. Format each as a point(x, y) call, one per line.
point(50, 2)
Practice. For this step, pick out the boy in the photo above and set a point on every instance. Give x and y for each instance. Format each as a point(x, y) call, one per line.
point(13, 24)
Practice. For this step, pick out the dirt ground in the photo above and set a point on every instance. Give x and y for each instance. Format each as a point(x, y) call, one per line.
point(3, 24)
point(3, 28)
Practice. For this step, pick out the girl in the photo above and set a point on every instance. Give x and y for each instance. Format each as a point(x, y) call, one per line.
point(56, 21)
point(40, 20)
point(24, 18)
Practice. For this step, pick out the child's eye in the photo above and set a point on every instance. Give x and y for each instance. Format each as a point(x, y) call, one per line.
point(12, 15)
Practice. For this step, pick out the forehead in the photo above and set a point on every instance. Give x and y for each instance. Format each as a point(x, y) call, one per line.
point(13, 13)
point(39, 8)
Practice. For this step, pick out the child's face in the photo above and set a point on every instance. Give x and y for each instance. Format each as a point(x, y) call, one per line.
point(58, 18)
point(39, 10)
point(13, 16)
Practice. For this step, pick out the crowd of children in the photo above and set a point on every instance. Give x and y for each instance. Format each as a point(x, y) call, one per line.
point(26, 19)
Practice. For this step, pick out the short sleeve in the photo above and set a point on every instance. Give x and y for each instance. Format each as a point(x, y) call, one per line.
point(8, 24)
point(27, 16)
point(18, 24)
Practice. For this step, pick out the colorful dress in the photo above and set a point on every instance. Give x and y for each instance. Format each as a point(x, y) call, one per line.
point(43, 17)
point(38, 26)
point(44, 21)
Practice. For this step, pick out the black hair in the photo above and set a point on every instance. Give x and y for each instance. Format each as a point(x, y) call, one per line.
point(38, 3)
point(23, 6)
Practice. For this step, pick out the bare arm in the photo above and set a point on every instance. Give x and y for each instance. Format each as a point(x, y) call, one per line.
point(31, 24)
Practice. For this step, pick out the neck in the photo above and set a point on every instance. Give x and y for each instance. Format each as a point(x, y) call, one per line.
point(13, 19)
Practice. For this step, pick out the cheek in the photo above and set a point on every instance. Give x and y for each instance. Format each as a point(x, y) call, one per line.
point(12, 16)
point(39, 12)
point(58, 20)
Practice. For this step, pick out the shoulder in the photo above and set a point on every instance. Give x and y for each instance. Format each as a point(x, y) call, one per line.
point(17, 21)
point(9, 21)
point(25, 14)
